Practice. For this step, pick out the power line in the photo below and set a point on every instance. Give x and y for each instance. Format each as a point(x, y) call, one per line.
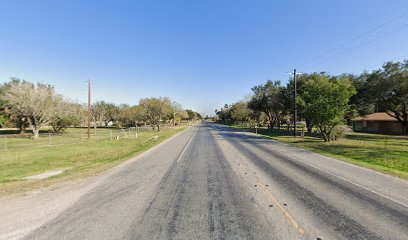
point(355, 39)
point(378, 64)
point(362, 45)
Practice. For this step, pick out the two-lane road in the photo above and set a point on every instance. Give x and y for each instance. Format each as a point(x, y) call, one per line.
point(212, 182)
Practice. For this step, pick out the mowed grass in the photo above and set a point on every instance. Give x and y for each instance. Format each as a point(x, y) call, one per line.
point(78, 158)
point(385, 153)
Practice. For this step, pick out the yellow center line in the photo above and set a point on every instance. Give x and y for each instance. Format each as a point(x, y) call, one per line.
point(285, 213)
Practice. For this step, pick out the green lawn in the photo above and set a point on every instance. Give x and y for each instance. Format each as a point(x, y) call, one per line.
point(72, 153)
point(385, 153)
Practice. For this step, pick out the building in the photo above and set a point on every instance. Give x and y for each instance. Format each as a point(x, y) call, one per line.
point(380, 122)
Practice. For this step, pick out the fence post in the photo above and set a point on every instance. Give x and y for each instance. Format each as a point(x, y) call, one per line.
point(386, 140)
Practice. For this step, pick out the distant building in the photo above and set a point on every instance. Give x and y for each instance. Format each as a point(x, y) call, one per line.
point(380, 122)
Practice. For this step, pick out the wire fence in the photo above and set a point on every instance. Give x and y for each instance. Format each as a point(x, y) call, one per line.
point(71, 136)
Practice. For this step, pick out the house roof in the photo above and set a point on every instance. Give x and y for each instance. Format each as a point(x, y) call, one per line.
point(380, 116)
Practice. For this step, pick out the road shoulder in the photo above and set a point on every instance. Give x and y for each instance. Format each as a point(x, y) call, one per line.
point(24, 212)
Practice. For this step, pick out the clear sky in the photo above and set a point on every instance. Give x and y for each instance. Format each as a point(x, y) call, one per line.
point(201, 54)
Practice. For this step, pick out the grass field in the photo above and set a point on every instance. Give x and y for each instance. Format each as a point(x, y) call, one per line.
point(385, 153)
point(69, 152)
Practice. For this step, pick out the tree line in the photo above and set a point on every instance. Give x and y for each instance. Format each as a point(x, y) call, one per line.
point(325, 102)
point(37, 105)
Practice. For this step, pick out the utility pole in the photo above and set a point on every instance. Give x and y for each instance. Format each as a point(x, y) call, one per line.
point(89, 109)
point(294, 101)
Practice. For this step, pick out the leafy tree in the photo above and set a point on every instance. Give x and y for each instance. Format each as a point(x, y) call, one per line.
point(157, 110)
point(289, 96)
point(131, 115)
point(70, 114)
point(38, 103)
point(270, 99)
point(103, 113)
point(240, 111)
point(361, 103)
point(388, 88)
point(112, 113)
point(4, 108)
point(224, 114)
point(9, 115)
point(191, 114)
point(177, 113)
point(137, 114)
point(325, 102)
point(198, 116)
point(184, 115)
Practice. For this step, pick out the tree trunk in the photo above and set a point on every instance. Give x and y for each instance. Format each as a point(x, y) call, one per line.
point(326, 138)
point(309, 126)
point(158, 127)
point(20, 125)
point(271, 124)
point(36, 133)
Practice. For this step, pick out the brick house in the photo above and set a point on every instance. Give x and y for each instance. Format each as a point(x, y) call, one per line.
point(380, 122)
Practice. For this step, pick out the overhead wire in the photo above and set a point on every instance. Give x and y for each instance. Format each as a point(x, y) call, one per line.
point(380, 26)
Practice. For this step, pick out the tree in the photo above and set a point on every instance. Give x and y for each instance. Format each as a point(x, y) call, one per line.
point(137, 114)
point(290, 101)
point(269, 98)
point(9, 116)
point(99, 113)
point(240, 112)
point(177, 113)
point(70, 114)
point(325, 102)
point(224, 114)
point(184, 115)
point(112, 113)
point(157, 110)
point(388, 88)
point(191, 114)
point(38, 103)
point(198, 116)
point(4, 108)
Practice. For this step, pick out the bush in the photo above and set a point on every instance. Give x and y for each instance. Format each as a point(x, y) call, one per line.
point(341, 131)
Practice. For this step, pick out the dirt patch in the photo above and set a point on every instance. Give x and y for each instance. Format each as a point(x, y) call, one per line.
point(44, 175)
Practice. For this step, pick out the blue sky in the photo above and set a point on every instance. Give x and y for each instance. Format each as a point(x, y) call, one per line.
point(201, 54)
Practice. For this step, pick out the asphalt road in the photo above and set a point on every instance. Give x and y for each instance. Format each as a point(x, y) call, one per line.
point(212, 182)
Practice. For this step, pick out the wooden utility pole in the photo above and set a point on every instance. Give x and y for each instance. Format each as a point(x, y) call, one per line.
point(294, 100)
point(294, 103)
point(89, 109)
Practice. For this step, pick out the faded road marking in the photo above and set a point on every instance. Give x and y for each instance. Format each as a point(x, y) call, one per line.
point(185, 148)
point(288, 217)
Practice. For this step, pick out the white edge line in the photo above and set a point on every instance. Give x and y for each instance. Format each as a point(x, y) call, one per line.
point(185, 148)
point(335, 175)
point(353, 183)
